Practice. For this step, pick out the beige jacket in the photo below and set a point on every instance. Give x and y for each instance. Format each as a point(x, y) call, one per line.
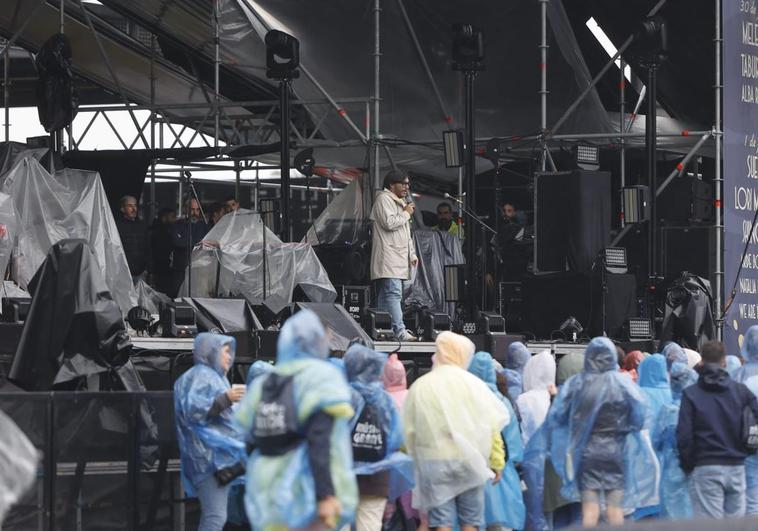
point(392, 249)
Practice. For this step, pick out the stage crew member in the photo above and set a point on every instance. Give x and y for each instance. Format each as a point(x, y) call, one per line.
point(134, 237)
point(392, 252)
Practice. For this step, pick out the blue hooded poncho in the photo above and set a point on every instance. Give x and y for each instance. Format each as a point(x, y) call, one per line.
point(206, 443)
point(733, 364)
point(675, 485)
point(654, 383)
point(515, 361)
point(751, 463)
point(750, 355)
point(595, 437)
point(364, 369)
point(259, 368)
point(280, 489)
point(673, 354)
point(503, 502)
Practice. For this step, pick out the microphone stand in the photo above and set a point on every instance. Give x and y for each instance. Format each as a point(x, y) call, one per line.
point(191, 194)
point(485, 228)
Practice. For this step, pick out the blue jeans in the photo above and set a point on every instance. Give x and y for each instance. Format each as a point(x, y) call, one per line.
point(388, 299)
point(213, 503)
point(465, 509)
point(718, 491)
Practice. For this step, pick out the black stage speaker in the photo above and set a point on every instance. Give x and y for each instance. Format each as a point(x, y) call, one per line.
point(690, 249)
point(686, 199)
point(572, 219)
point(342, 326)
point(355, 299)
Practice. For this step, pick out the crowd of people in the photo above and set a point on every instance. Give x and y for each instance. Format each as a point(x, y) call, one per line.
point(314, 442)
point(159, 252)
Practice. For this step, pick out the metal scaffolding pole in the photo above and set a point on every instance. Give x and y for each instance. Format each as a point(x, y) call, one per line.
point(717, 134)
point(377, 58)
point(622, 124)
point(6, 94)
point(216, 80)
point(543, 46)
point(152, 125)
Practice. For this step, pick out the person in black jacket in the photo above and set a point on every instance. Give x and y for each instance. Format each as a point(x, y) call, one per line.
point(162, 247)
point(134, 237)
point(709, 437)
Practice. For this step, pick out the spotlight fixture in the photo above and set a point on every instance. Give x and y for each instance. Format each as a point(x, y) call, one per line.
point(282, 55)
point(571, 327)
point(468, 48)
point(455, 283)
point(139, 319)
point(635, 203)
point(614, 260)
point(587, 157)
point(639, 328)
point(304, 162)
point(452, 142)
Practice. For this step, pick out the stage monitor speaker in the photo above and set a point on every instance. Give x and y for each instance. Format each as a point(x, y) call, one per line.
point(178, 320)
point(691, 249)
point(379, 325)
point(686, 199)
point(15, 309)
point(355, 299)
point(490, 322)
point(342, 326)
point(572, 219)
point(432, 323)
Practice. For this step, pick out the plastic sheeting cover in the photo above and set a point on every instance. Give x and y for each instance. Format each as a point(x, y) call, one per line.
point(7, 230)
point(70, 204)
point(230, 262)
point(435, 250)
point(18, 463)
point(345, 220)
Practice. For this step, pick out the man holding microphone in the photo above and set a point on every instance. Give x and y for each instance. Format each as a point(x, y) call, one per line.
point(392, 251)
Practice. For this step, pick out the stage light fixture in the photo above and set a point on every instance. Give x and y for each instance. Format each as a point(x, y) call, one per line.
point(15, 309)
point(379, 325)
point(304, 162)
point(139, 319)
point(282, 55)
point(635, 203)
point(614, 260)
point(571, 327)
point(455, 283)
point(639, 328)
point(178, 320)
point(432, 323)
point(468, 48)
point(452, 142)
point(490, 323)
point(587, 157)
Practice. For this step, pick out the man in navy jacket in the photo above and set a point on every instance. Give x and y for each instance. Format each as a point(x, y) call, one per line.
point(709, 437)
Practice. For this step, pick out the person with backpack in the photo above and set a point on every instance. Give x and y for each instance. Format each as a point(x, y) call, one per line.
point(711, 439)
point(751, 466)
point(211, 447)
point(383, 472)
point(300, 474)
point(452, 431)
point(750, 355)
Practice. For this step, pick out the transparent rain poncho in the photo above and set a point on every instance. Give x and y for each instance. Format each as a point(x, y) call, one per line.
point(673, 353)
point(280, 488)
point(395, 380)
point(364, 369)
point(206, 443)
point(675, 485)
point(733, 364)
point(450, 417)
point(7, 230)
point(515, 360)
point(751, 463)
point(750, 355)
point(654, 383)
point(595, 424)
point(18, 464)
point(534, 402)
point(533, 468)
point(503, 502)
point(259, 368)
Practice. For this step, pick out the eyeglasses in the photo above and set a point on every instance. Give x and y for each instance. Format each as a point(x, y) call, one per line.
point(401, 183)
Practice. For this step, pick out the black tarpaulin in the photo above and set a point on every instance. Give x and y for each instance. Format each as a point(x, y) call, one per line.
point(74, 329)
point(435, 250)
point(689, 318)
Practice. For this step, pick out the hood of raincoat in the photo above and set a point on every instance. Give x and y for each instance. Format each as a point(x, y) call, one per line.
point(632, 360)
point(732, 364)
point(568, 366)
point(539, 372)
point(713, 377)
point(600, 356)
point(339, 363)
point(259, 368)
point(514, 382)
point(207, 350)
point(363, 365)
point(673, 353)
point(517, 356)
point(453, 349)
point(482, 367)
point(302, 336)
point(394, 376)
point(750, 344)
point(693, 358)
point(681, 378)
point(652, 372)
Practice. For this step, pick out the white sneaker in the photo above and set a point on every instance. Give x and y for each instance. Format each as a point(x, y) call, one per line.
point(405, 335)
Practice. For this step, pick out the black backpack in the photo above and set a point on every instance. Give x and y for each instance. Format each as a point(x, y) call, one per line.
point(749, 431)
point(368, 437)
point(275, 428)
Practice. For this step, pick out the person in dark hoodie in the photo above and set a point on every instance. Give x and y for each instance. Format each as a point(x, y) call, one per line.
point(709, 437)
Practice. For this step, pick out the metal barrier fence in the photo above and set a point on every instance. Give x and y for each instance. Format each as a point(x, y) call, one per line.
point(108, 461)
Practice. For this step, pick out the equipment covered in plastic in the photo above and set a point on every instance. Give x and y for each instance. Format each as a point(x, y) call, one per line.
point(74, 329)
point(57, 98)
point(689, 318)
point(435, 250)
point(230, 262)
point(207, 443)
point(280, 489)
point(69, 204)
point(364, 369)
point(345, 219)
point(18, 464)
point(7, 230)
point(596, 438)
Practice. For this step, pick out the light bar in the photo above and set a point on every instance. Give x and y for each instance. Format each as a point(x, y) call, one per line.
point(587, 154)
point(640, 328)
point(452, 141)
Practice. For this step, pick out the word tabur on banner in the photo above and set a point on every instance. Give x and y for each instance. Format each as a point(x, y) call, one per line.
point(740, 104)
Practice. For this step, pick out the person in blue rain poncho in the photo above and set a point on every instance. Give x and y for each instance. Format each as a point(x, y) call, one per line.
point(300, 474)
point(674, 489)
point(733, 364)
point(750, 355)
point(515, 361)
point(596, 443)
point(503, 501)
point(383, 472)
point(211, 447)
point(673, 354)
point(257, 369)
point(751, 466)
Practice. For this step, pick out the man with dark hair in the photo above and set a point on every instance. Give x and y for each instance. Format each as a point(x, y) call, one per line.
point(134, 237)
point(216, 212)
point(392, 251)
point(445, 221)
point(709, 437)
point(231, 204)
point(186, 233)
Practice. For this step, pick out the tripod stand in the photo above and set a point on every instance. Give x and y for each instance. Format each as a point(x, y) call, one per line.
point(191, 194)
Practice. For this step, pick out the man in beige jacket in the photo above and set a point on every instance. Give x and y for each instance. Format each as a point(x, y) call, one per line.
point(392, 251)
